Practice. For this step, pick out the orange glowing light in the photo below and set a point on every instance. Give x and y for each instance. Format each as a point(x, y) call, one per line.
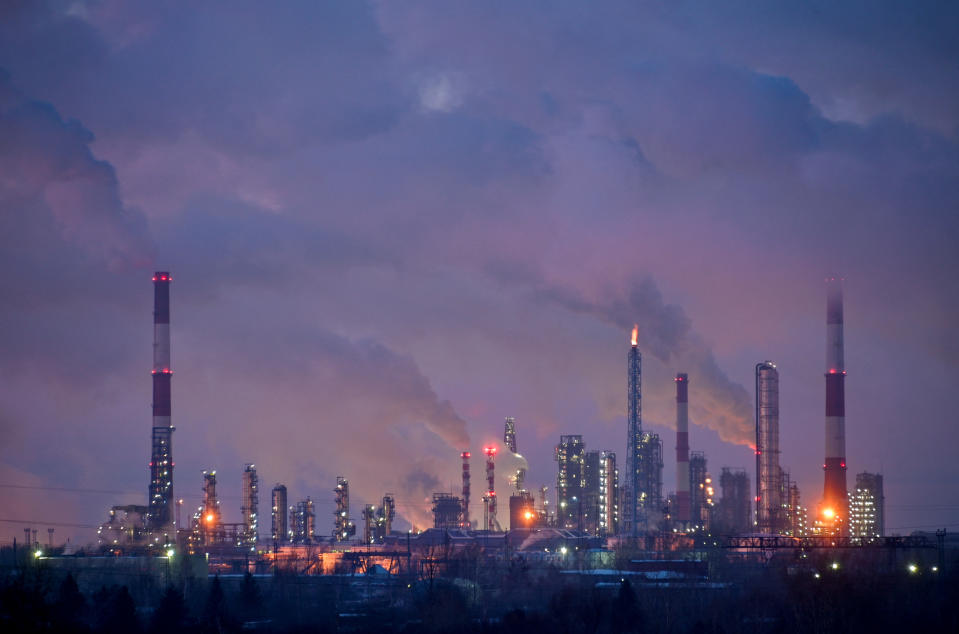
point(635, 337)
point(209, 518)
point(828, 513)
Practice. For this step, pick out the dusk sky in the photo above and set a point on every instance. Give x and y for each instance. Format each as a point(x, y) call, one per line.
point(392, 224)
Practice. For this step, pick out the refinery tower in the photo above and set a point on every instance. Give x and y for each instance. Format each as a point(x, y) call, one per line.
point(161, 504)
point(834, 510)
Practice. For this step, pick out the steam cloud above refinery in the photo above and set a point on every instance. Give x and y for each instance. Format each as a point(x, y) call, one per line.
point(387, 235)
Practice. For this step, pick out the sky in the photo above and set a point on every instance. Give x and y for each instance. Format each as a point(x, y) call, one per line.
point(390, 225)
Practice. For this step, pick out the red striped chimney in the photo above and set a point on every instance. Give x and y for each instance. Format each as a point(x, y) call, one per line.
point(834, 492)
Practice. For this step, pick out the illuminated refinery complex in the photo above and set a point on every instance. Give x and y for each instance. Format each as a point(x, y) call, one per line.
point(598, 502)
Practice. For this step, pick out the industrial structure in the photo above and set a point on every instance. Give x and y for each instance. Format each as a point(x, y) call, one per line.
point(378, 521)
point(795, 515)
point(866, 508)
point(343, 528)
point(509, 434)
point(733, 512)
point(643, 499)
point(250, 506)
point(570, 456)
point(769, 486)
point(834, 511)
point(303, 522)
point(518, 478)
point(124, 527)
point(490, 522)
point(447, 510)
point(522, 511)
point(160, 502)
point(701, 492)
point(279, 526)
point(466, 489)
point(600, 493)
point(590, 504)
point(682, 512)
point(209, 519)
point(633, 520)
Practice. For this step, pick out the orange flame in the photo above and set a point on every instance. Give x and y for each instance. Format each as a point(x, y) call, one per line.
point(635, 338)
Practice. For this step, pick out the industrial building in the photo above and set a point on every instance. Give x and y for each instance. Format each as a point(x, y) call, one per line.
point(522, 511)
point(570, 457)
point(866, 512)
point(250, 506)
point(770, 516)
point(279, 527)
point(701, 498)
point(600, 493)
point(682, 506)
point(733, 511)
point(447, 510)
point(343, 528)
point(303, 522)
point(378, 521)
point(125, 527)
point(794, 513)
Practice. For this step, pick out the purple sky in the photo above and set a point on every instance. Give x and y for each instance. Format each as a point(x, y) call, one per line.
point(392, 224)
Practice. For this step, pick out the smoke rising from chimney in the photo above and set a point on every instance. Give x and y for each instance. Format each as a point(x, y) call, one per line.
point(666, 332)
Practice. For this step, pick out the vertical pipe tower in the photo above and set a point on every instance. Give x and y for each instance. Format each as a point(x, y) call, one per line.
point(491, 491)
point(682, 448)
point(160, 514)
point(466, 489)
point(835, 500)
point(769, 503)
point(634, 436)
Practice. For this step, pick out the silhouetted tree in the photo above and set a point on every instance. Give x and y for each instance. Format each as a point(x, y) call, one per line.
point(171, 614)
point(627, 615)
point(215, 615)
point(249, 597)
point(119, 614)
point(68, 609)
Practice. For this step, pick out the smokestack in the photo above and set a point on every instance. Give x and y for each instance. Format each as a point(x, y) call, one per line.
point(634, 436)
point(835, 499)
point(161, 459)
point(466, 489)
point(682, 447)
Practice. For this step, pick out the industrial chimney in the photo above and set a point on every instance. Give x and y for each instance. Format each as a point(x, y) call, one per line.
point(160, 517)
point(835, 502)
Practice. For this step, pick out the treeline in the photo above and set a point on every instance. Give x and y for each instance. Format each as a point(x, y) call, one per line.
point(771, 601)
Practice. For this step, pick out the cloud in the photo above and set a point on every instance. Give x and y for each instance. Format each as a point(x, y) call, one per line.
point(48, 168)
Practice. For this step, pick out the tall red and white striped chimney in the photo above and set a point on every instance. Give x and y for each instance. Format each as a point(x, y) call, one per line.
point(682, 448)
point(835, 500)
point(160, 503)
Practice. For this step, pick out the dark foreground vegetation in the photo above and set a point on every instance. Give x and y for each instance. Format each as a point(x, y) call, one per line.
point(767, 600)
